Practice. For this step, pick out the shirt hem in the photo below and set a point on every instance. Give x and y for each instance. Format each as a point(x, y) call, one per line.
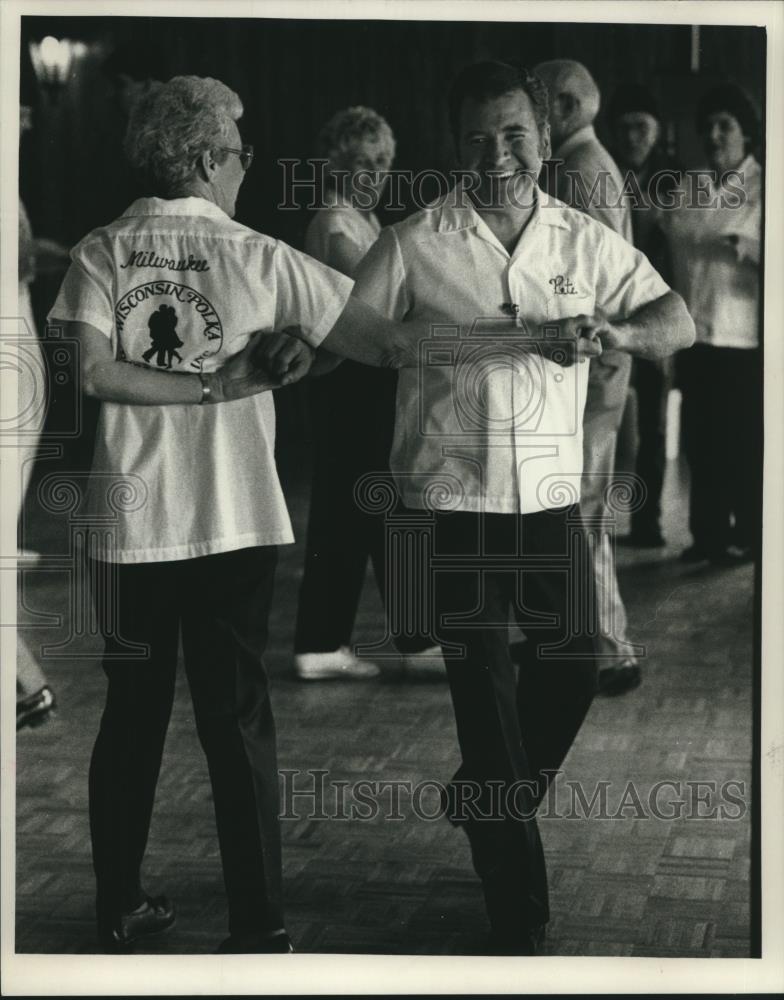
point(192, 550)
point(480, 505)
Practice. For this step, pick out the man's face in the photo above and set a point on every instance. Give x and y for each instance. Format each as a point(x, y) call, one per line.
point(500, 143)
point(724, 141)
point(229, 175)
point(636, 133)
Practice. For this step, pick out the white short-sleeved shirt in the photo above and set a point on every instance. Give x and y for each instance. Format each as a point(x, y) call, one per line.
point(361, 228)
point(479, 426)
point(177, 282)
point(720, 288)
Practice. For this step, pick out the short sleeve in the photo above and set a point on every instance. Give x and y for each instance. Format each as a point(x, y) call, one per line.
point(381, 277)
point(307, 294)
point(626, 279)
point(84, 295)
point(336, 221)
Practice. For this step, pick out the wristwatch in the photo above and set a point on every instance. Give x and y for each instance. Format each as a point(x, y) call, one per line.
point(206, 391)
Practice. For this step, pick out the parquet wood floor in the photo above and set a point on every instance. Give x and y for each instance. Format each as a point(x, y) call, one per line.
point(628, 886)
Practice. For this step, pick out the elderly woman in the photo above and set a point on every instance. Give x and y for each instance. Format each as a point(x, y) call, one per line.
point(353, 409)
point(716, 257)
point(186, 500)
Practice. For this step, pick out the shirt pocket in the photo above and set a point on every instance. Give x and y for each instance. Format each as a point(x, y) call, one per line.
point(561, 305)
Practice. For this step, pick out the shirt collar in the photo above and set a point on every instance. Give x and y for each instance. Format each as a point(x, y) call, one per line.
point(457, 212)
point(749, 167)
point(582, 135)
point(175, 206)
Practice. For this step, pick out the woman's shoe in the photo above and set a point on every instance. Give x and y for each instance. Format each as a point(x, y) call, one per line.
point(341, 664)
point(36, 708)
point(155, 914)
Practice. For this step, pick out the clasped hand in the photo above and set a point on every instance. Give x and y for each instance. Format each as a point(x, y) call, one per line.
point(577, 338)
point(268, 361)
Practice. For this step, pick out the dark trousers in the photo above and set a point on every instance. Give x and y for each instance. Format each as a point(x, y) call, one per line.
point(722, 438)
point(220, 603)
point(652, 381)
point(353, 415)
point(514, 727)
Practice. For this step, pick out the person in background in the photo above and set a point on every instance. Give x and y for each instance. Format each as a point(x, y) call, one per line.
point(636, 127)
point(35, 700)
point(588, 179)
point(353, 411)
point(716, 254)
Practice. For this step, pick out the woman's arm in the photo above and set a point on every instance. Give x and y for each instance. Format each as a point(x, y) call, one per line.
point(113, 381)
point(344, 255)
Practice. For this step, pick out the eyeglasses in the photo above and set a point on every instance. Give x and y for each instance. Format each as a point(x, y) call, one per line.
point(245, 154)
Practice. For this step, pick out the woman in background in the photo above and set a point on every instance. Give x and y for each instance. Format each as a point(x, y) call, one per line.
point(353, 411)
point(716, 257)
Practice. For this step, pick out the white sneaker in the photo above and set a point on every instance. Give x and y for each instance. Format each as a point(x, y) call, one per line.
point(338, 665)
point(427, 665)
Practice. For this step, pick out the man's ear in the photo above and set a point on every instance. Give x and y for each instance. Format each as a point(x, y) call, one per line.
point(545, 147)
point(568, 105)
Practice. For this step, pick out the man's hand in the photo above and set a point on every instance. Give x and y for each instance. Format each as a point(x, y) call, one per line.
point(577, 339)
point(241, 375)
point(284, 356)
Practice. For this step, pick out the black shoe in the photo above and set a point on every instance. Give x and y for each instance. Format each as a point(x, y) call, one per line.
point(618, 680)
point(643, 538)
point(694, 554)
point(36, 708)
point(733, 555)
point(530, 941)
point(156, 914)
point(256, 943)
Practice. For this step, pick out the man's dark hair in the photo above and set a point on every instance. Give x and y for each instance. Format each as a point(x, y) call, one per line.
point(484, 81)
point(735, 101)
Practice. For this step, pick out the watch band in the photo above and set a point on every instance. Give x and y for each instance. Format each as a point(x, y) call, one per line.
point(206, 391)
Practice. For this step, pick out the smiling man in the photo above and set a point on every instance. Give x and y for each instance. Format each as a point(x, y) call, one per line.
point(488, 438)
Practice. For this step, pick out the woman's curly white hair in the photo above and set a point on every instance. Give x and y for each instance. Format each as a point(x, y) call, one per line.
point(173, 124)
point(339, 138)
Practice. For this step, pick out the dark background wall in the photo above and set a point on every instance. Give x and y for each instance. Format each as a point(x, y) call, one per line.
point(292, 75)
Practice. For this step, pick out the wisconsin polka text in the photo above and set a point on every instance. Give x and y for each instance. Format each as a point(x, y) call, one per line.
point(195, 312)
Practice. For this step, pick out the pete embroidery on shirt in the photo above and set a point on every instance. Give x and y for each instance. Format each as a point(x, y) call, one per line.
point(563, 285)
point(167, 324)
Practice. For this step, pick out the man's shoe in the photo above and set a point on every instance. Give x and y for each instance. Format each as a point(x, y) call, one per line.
point(530, 941)
point(36, 708)
point(155, 914)
point(428, 665)
point(694, 554)
point(643, 538)
point(733, 555)
point(256, 943)
point(341, 664)
point(620, 679)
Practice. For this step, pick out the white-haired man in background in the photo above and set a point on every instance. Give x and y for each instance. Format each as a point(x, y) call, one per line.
point(585, 176)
